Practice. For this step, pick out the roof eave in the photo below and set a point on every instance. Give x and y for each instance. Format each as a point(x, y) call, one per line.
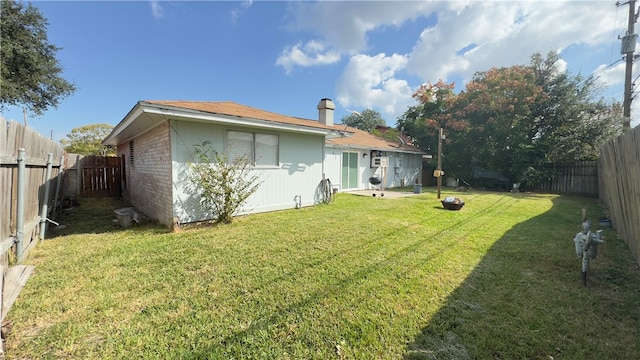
point(133, 114)
point(176, 112)
point(415, 151)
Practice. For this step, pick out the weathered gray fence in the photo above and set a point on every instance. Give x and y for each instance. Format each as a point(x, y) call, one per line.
point(619, 179)
point(72, 184)
point(30, 178)
point(579, 178)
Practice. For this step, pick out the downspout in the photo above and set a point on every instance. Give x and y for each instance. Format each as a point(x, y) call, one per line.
point(324, 145)
point(20, 204)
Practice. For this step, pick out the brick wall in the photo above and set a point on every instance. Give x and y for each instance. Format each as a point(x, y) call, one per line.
point(148, 176)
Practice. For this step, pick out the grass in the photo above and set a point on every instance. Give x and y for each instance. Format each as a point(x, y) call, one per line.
point(360, 278)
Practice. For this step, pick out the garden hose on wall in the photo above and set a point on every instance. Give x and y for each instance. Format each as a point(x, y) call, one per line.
point(327, 190)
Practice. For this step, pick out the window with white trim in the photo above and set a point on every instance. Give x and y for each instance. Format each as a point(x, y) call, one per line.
point(262, 149)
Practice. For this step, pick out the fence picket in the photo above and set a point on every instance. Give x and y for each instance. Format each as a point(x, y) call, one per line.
point(100, 176)
point(619, 182)
point(14, 136)
point(576, 178)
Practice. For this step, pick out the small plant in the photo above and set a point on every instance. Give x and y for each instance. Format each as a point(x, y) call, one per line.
point(225, 183)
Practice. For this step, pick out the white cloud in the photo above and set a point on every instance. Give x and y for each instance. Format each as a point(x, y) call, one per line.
point(459, 39)
point(505, 34)
point(345, 24)
point(311, 53)
point(236, 12)
point(156, 10)
point(609, 76)
point(370, 82)
point(635, 109)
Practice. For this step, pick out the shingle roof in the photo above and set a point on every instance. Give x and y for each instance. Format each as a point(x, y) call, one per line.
point(360, 138)
point(234, 109)
point(363, 139)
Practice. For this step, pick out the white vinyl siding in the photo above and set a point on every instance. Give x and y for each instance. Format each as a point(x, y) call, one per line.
point(298, 174)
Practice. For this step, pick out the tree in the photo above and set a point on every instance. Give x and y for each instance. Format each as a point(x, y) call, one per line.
point(29, 71)
point(573, 123)
point(422, 122)
point(368, 120)
point(222, 184)
point(514, 120)
point(496, 105)
point(525, 117)
point(87, 140)
point(435, 110)
point(387, 133)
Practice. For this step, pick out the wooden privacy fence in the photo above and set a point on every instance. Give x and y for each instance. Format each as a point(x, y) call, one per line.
point(100, 176)
point(30, 178)
point(619, 179)
point(579, 178)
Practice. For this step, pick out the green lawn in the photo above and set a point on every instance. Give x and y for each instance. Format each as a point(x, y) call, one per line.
point(360, 278)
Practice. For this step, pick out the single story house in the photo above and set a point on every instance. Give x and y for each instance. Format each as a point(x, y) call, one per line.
point(291, 156)
point(351, 161)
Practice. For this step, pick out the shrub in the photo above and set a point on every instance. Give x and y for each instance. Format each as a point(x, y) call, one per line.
point(224, 184)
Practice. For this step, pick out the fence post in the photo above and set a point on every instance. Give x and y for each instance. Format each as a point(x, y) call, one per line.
point(57, 194)
point(45, 202)
point(22, 166)
point(79, 176)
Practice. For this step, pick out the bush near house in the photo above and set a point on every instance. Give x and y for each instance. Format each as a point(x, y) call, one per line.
point(361, 277)
point(223, 184)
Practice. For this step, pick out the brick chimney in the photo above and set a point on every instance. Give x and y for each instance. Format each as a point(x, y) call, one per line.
point(325, 111)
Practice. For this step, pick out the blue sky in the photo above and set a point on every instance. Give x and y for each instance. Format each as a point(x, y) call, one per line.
point(285, 56)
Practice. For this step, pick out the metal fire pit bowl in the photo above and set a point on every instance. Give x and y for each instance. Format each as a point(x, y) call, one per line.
point(452, 203)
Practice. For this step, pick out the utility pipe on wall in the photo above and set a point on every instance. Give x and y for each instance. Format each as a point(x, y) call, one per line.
point(22, 166)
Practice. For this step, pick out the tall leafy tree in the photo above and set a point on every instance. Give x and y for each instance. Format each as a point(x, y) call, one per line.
point(87, 140)
point(436, 109)
point(30, 72)
point(367, 120)
point(496, 105)
point(424, 120)
point(387, 133)
point(574, 122)
point(515, 120)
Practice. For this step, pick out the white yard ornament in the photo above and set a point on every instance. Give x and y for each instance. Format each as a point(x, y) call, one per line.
point(587, 245)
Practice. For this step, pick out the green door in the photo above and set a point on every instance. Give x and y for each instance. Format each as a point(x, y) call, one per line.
point(349, 170)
